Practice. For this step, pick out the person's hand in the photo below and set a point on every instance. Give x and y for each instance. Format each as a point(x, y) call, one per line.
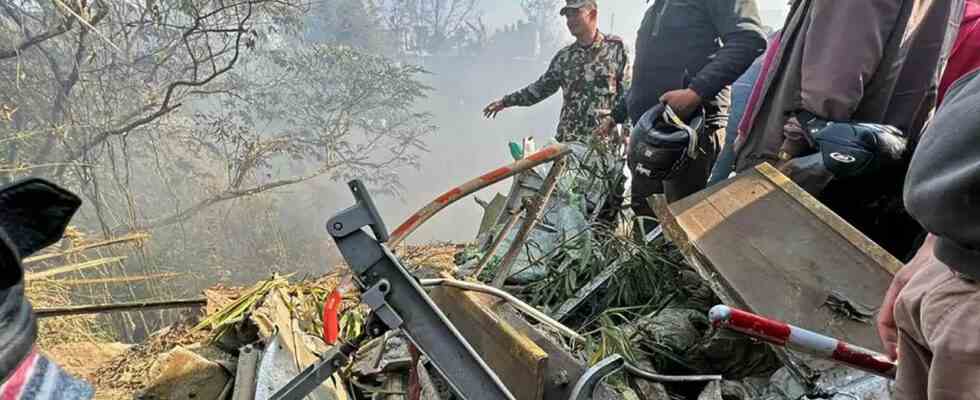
point(606, 123)
point(795, 144)
point(491, 110)
point(887, 330)
point(683, 101)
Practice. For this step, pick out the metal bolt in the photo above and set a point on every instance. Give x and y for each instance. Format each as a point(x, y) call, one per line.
point(338, 226)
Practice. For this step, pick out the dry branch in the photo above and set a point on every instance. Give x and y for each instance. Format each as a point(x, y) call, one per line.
point(72, 268)
point(103, 308)
point(135, 237)
point(121, 279)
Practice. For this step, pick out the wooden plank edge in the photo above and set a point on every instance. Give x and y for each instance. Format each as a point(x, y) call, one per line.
point(473, 304)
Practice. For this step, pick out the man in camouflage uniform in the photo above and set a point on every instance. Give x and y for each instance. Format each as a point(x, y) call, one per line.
point(593, 74)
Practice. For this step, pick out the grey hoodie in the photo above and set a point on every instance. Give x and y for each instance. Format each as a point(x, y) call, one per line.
point(942, 190)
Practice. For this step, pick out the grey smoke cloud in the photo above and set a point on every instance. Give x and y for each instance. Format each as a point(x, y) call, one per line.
point(466, 145)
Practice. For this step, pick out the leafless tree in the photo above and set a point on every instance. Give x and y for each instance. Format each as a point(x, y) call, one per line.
point(543, 15)
point(160, 113)
point(432, 26)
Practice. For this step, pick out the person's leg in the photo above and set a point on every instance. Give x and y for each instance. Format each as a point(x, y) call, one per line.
point(694, 177)
point(641, 188)
point(939, 336)
point(725, 164)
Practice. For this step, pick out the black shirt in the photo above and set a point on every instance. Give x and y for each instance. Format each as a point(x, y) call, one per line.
point(704, 45)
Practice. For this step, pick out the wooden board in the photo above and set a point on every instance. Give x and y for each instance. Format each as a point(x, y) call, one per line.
point(518, 361)
point(530, 364)
point(563, 370)
point(769, 247)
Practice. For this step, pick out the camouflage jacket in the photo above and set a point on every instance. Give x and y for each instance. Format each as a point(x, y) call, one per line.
point(591, 78)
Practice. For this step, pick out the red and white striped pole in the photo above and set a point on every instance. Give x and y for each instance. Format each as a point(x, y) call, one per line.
point(802, 340)
point(547, 154)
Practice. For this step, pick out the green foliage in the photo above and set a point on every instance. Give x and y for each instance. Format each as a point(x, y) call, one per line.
point(327, 108)
point(646, 276)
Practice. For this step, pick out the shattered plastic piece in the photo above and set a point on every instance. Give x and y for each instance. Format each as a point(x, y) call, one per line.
point(834, 382)
point(382, 354)
point(711, 392)
point(567, 212)
point(516, 151)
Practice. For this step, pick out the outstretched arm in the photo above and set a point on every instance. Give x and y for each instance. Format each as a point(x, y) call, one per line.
point(544, 87)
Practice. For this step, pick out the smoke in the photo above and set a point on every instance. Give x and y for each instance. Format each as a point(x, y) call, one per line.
point(466, 145)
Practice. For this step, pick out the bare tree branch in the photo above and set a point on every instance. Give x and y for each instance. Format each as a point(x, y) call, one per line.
point(166, 107)
point(31, 40)
point(202, 205)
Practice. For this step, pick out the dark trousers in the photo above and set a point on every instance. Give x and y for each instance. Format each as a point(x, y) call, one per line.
point(874, 205)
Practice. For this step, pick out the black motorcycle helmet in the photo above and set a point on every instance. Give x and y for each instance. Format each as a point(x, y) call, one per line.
point(661, 144)
point(855, 149)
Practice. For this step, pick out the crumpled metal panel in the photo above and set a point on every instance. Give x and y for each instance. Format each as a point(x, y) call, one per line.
point(837, 383)
point(276, 369)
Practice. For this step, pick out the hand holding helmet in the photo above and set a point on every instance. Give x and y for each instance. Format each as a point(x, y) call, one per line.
point(661, 144)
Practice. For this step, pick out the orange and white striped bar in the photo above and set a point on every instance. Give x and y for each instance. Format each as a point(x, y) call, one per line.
point(802, 340)
point(547, 154)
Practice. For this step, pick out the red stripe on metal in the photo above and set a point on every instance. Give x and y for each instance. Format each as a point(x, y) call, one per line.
point(763, 328)
point(405, 226)
point(864, 359)
point(496, 174)
point(543, 154)
point(11, 390)
point(449, 196)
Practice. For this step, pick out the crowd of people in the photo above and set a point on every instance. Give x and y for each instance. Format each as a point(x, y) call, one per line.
point(872, 106)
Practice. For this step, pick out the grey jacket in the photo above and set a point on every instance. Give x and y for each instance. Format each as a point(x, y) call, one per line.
point(942, 190)
point(869, 61)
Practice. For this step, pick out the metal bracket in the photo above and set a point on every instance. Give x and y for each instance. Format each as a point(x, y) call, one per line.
point(362, 214)
point(375, 298)
point(398, 301)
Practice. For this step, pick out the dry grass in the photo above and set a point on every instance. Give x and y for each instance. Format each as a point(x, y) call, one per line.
point(61, 330)
point(129, 371)
point(306, 300)
point(56, 276)
point(438, 257)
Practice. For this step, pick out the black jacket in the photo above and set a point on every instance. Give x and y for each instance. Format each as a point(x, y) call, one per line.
point(679, 45)
point(33, 215)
